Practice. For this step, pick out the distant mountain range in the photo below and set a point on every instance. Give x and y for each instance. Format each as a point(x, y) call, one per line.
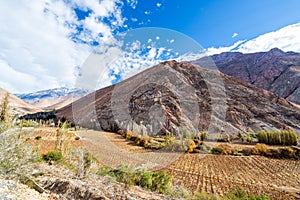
point(52, 98)
point(275, 70)
point(17, 105)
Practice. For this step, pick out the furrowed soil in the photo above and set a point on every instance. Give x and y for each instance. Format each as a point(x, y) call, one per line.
point(217, 174)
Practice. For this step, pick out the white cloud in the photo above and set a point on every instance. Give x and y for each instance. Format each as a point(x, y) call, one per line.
point(234, 35)
point(147, 12)
point(36, 48)
point(214, 50)
point(132, 3)
point(134, 19)
point(158, 5)
point(286, 39)
point(152, 53)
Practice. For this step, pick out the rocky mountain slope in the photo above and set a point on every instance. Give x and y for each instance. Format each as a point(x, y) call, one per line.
point(17, 105)
point(52, 98)
point(275, 71)
point(172, 96)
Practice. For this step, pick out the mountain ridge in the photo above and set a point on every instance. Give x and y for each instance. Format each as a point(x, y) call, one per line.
point(248, 108)
point(275, 70)
point(52, 98)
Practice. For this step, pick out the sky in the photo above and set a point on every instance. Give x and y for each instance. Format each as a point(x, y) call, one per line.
point(45, 44)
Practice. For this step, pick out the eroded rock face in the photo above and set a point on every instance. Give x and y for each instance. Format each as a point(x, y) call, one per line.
point(275, 71)
point(173, 95)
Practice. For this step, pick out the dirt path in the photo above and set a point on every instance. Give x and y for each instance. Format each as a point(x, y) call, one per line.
point(113, 150)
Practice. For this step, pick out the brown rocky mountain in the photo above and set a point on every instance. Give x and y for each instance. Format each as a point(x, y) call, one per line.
point(173, 95)
point(17, 105)
point(275, 71)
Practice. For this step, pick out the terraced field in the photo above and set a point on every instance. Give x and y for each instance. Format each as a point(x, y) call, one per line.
point(279, 179)
point(218, 174)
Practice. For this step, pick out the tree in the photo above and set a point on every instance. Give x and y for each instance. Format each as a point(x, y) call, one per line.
point(5, 118)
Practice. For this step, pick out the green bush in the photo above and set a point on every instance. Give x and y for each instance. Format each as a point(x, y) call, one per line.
point(154, 181)
point(282, 137)
point(53, 156)
point(77, 138)
point(38, 137)
point(203, 135)
point(239, 194)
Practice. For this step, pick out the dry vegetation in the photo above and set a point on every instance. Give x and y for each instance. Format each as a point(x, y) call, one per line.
point(235, 170)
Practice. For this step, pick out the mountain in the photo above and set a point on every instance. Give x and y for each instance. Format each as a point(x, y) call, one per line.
point(52, 98)
point(17, 105)
point(275, 70)
point(174, 95)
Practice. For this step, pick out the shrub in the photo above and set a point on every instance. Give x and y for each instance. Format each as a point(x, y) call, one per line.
point(239, 194)
point(216, 150)
point(260, 149)
point(53, 156)
point(249, 138)
point(154, 181)
point(286, 152)
point(223, 138)
point(203, 135)
point(77, 138)
point(204, 148)
point(38, 137)
point(222, 149)
point(191, 147)
point(283, 137)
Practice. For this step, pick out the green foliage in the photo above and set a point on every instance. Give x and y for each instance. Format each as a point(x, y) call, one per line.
point(239, 194)
point(53, 156)
point(223, 138)
point(77, 138)
point(203, 135)
point(154, 181)
point(204, 148)
point(282, 137)
point(38, 137)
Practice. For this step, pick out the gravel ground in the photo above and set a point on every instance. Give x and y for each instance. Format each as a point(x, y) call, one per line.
point(11, 190)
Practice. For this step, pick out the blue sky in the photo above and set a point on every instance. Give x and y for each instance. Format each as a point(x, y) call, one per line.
point(213, 22)
point(44, 44)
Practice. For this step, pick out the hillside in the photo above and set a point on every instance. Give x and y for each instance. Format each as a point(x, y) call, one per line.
point(275, 70)
point(173, 95)
point(17, 105)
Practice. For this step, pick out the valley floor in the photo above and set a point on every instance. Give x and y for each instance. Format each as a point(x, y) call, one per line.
point(218, 174)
